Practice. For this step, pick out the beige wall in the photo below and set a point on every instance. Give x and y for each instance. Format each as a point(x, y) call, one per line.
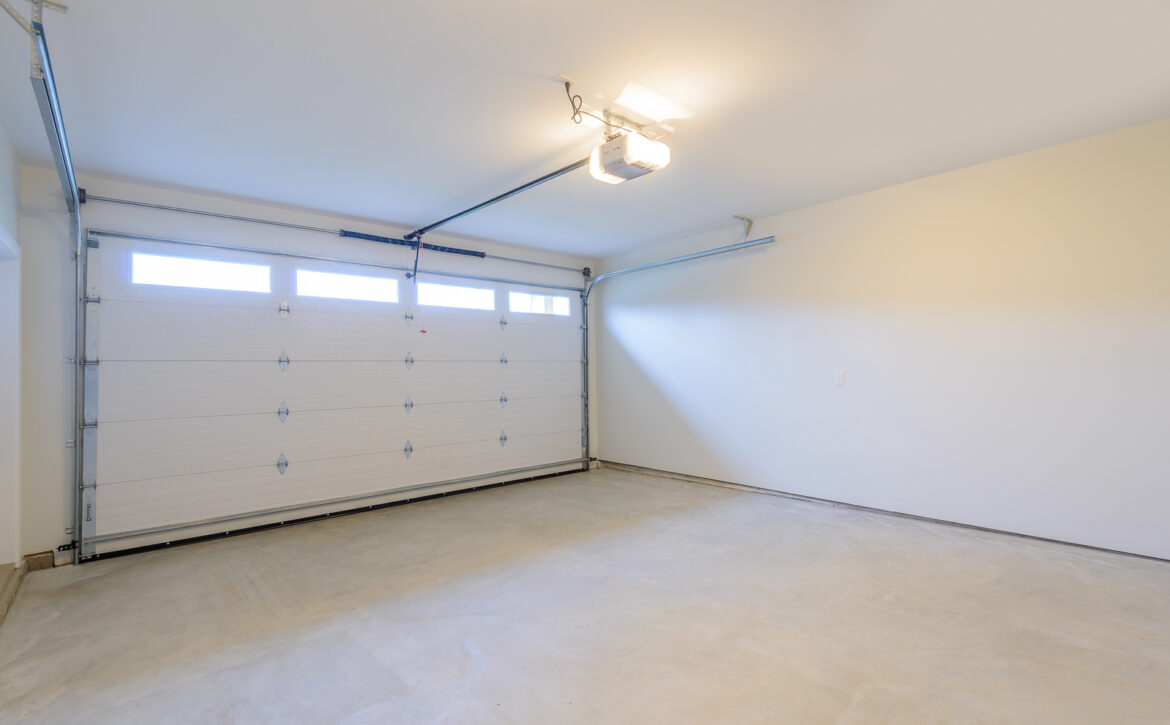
point(9, 355)
point(49, 284)
point(1003, 330)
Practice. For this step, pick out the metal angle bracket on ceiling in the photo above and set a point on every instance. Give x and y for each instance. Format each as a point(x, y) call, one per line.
point(37, 6)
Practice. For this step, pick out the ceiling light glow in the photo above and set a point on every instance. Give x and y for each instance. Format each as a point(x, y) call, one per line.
point(645, 102)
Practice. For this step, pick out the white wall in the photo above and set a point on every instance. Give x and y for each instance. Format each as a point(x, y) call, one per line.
point(49, 293)
point(9, 355)
point(1004, 331)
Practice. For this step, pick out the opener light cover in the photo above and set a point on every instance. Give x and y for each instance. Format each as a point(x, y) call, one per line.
point(597, 172)
point(627, 157)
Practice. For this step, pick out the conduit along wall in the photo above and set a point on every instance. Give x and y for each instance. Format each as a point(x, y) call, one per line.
point(318, 383)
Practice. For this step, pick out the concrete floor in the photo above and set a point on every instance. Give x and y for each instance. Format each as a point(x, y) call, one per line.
point(605, 597)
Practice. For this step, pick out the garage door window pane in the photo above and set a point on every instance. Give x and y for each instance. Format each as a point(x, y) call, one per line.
point(166, 271)
point(449, 295)
point(346, 286)
point(538, 304)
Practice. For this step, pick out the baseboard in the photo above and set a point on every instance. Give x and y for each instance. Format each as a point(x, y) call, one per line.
point(10, 578)
point(868, 509)
point(36, 562)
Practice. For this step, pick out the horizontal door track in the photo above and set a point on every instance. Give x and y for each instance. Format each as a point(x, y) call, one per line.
point(98, 233)
point(87, 197)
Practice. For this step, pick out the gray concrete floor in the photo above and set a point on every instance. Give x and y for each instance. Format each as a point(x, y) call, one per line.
point(605, 597)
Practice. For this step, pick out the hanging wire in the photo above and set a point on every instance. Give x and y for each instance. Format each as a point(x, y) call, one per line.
point(577, 102)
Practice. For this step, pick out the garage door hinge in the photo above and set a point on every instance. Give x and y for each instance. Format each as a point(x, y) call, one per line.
point(95, 361)
point(94, 300)
point(503, 400)
point(408, 449)
point(409, 361)
point(503, 322)
point(284, 309)
point(283, 360)
point(503, 360)
point(409, 405)
point(503, 439)
point(408, 316)
point(282, 412)
point(281, 464)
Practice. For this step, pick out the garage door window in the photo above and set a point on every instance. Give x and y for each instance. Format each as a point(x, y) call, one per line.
point(156, 269)
point(538, 304)
point(449, 295)
point(346, 286)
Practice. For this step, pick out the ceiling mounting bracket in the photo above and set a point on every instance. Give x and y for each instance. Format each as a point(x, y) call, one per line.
point(37, 6)
point(747, 225)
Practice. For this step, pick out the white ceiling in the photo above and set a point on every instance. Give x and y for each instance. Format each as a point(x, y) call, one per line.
point(409, 111)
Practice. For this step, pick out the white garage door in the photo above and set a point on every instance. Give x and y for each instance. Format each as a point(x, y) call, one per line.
point(294, 387)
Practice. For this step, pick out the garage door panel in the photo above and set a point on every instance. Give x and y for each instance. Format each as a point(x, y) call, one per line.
point(160, 448)
point(190, 385)
point(539, 415)
point(457, 339)
point(533, 450)
point(339, 433)
point(176, 500)
point(440, 382)
point(181, 499)
point(525, 379)
point(444, 423)
point(163, 448)
point(185, 389)
point(542, 342)
point(333, 385)
point(320, 335)
point(445, 462)
point(518, 452)
point(140, 330)
point(315, 385)
point(168, 501)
